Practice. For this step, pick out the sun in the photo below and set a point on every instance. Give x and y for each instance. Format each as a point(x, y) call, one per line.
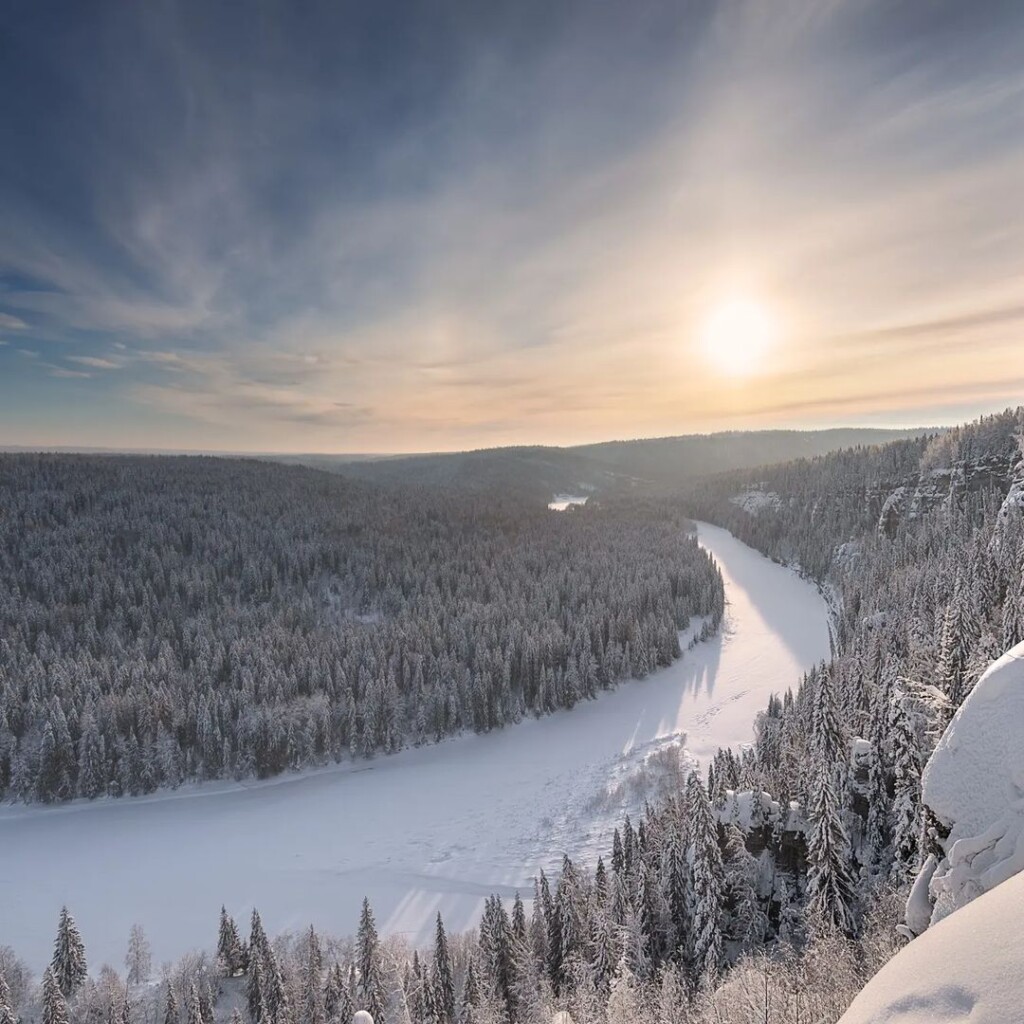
point(737, 335)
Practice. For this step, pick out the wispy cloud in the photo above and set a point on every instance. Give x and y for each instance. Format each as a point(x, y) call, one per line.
point(96, 362)
point(516, 228)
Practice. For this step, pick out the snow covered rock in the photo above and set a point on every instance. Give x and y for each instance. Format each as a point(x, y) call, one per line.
point(756, 500)
point(969, 967)
point(974, 786)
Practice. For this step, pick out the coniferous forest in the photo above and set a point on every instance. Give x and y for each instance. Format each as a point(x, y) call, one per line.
point(768, 891)
point(171, 619)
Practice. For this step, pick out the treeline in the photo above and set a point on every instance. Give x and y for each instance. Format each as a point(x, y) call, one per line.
point(922, 545)
point(167, 619)
point(644, 939)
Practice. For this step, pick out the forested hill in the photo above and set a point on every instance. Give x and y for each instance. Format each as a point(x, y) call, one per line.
point(659, 464)
point(164, 618)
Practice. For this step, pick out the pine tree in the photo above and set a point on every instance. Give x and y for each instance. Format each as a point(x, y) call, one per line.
point(906, 805)
point(371, 970)
point(470, 997)
point(171, 1006)
point(337, 1001)
point(230, 960)
point(312, 994)
point(195, 1015)
point(828, 736)
point(68, 964)
point(6, 1010)
point(55, 1009)
point(254, 985)
point(496, 953)
point(273, 991)
point(676, 880)
point(444, 981)
point(708, 885)
point(830, 890)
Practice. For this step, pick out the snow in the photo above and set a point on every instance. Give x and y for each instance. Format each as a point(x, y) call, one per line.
point(756, 500)
point(974, 784)
point(969, 967)
point(747, 809)
point(428, 829)
point(561, 502)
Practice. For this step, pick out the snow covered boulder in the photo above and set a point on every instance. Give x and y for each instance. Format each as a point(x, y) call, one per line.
point(967, 968)
point(974, 785)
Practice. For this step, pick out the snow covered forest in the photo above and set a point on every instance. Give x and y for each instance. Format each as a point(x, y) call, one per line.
point(772, 890)
point(166, 619)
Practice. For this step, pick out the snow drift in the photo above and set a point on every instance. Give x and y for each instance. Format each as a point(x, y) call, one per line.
point(974, 786)
point(969, 967)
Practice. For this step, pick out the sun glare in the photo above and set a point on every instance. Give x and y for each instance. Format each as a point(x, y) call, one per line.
point(737, 335)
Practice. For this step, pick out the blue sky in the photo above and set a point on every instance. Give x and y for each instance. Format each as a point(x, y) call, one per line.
point(396, 227)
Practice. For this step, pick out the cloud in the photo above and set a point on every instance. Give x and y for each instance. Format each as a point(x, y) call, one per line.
point(63, 373)
point(518, 228)
point(96, 362)
point(11, 323)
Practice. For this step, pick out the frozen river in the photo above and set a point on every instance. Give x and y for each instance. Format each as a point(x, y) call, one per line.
point(435, 828)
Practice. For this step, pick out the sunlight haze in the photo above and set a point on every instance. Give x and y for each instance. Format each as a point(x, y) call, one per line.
point(242, 233)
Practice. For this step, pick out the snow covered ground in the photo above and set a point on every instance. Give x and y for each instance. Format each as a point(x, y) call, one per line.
point(435, 828)
point(969, 967)
point(562, 502)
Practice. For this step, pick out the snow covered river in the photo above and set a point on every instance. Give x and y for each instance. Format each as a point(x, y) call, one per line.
point(437, 828)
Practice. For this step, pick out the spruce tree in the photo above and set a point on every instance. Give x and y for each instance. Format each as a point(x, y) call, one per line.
point(6, 1010)
point(230, 960)
point(708, 885)
point(171, 1006)
point(470, 996)
point(906, 805)
point(68, 964)
point(830, 891)
point(312, 994)
point(254, 985)
point(371, 969)
point(195, 1015)
point(444, 980)
point(55, 1008)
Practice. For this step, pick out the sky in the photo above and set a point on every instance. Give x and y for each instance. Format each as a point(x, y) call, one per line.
point(394, 227)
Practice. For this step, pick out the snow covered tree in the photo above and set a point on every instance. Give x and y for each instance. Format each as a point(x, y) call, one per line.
point(444, 980)
point(906, 805)
point(55, 1009)
point(830, 888)
point(171, 1006)
point(676, 880)
point(230, 956)
point(138, 960)
point(371, 967)
point(6, 1010)
point(470, 997)
point(312, 994)
point(708, 885)
point(337, 999)
point(68, 964)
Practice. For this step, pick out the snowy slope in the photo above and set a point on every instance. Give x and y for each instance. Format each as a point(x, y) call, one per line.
point(969, 967)
point(435, 828)
point(974, 784)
